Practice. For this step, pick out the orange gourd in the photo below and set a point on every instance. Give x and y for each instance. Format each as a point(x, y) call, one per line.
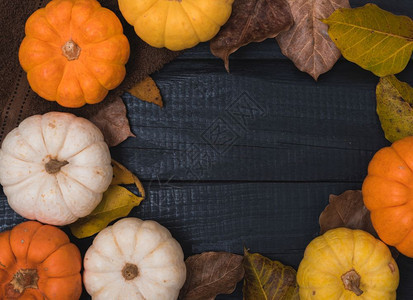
point(74, 51)
point(38, 262)
point(387, 193)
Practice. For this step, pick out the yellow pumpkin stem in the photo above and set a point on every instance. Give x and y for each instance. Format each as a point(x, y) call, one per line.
point(130, 271)
point(53, 166)
point(23, 279)
point(351, 281)
point(71, 50)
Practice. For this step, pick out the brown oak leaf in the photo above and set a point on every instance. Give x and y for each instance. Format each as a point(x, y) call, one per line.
point(113, 122)
point(148, 91)
point(346, 210)
point(307, 43)
point(267, 279)
point(251, 21)
point(210, 274)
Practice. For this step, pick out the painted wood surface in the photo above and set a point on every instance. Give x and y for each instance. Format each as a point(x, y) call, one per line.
point(249, 158)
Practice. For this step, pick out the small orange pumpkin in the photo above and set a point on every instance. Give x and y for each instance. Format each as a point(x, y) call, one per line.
point(74, 51)
point(39, 262)
point(387, 193)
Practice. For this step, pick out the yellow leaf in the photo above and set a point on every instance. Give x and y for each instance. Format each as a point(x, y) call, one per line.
point(266, 279)
point(375, 39)
point(394, 107)
point(121, 175)
point(147, 90)
point(117, 202)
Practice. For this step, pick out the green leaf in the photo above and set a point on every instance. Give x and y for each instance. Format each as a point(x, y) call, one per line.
point(265, 279)
point(375, 39)
point(117, 202)
point(394, 107)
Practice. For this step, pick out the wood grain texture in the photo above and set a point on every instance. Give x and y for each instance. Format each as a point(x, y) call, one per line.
point(249, 158)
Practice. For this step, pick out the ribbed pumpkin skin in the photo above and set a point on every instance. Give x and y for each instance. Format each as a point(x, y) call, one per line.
point(339, 251)
point(156, 257)
point(176, 24)
point(46, 249)
point(387, 191)
point(99, 67)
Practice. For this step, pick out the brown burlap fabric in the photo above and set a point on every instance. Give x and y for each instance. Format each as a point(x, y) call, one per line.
point(18, 101)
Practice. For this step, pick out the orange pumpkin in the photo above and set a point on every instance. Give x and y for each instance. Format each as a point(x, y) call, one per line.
point(74, 51)
point(387, 193)
point(38, 262)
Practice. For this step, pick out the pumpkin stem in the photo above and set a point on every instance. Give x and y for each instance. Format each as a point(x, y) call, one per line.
point(23, 279)
point(130, 271)
point(351, 281)
point(53, 166)
point(71, 50)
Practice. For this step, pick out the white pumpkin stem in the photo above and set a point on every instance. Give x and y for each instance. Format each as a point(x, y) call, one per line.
point(23, 279)
point(53, 166)
point(130, 271)
point(351, 281)
point(71, 50)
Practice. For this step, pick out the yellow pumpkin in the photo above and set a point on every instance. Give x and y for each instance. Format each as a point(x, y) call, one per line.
point(347, 264)
point(176, 24)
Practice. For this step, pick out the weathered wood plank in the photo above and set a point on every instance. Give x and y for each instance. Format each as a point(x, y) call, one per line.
point(264, 122)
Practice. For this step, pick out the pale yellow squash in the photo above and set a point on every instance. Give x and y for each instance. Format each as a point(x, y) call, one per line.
point(347, 264)
point(176, 24)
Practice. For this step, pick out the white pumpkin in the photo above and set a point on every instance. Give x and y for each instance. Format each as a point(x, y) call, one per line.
point(54, 168)
point(134, 260)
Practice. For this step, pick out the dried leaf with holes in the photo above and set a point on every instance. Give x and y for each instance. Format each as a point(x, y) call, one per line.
point(307, 43)
point(251, 21)
point(266, 279)
point(148, 91)
point(210, 274)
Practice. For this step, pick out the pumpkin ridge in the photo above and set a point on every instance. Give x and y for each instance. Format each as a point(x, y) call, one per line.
point(337, 257)
point(42, 13)
point(27, 248)
point(202, 12)
point(404, 236)
point(144, 12)
point(74, 179)
point(57, 30)
point(402, 158)
point(190, 21)
point(64, 199)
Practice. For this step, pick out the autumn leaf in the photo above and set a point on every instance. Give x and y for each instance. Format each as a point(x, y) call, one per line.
point(307, 43)
point(375, 39)
point(148, 91)
point(116, 202)
point(113, 122)
point(210, 274)
point(346, 210)
point(121, 175)
point(251, 21)
point(394, 108)
point(266, 279)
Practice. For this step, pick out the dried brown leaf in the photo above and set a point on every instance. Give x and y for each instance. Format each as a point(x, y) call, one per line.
point(307, 43)
point(251, 21)
point(266, 279)
point(148, 91)
point(210, 274)
point(346, 210)
point(113, 122)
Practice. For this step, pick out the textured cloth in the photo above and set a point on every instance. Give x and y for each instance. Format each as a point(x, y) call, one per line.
point(18, 101)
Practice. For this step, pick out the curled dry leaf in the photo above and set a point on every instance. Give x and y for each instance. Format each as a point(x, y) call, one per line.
point(346, 210)
point(373, 38)
point(394, 108)
point(113, 122)
point(117, 202)
point(210, 274)
point(148, 91)
point(251, 21)
point(266, 279)
point(307, 43)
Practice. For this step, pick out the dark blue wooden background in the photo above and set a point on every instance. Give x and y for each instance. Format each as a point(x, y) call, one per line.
point(250, 158)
